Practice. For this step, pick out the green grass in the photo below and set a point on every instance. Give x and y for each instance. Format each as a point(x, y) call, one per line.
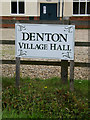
point(38, 98)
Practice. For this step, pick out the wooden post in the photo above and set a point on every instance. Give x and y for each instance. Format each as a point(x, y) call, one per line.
point(64, 71)
point(17, 72)
point(72, 75)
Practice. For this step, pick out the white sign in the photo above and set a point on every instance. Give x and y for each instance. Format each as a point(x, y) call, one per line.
point(50, 41)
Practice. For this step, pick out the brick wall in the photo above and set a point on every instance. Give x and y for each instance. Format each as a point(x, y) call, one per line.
point(82, 18)
point(9, 21)
point(81, 21)
point(14, 18)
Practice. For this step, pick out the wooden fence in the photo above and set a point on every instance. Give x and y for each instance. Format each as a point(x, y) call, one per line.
point(63, 63)
point(48, 63)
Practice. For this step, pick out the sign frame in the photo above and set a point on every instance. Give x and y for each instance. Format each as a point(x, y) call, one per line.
point(24, 32)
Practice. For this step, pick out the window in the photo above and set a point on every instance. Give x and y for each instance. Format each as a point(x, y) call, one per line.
point(81, 7)
point(75, 7)
point(14, 7)
point(88, 7)
point(21, 7)
point(17, 7)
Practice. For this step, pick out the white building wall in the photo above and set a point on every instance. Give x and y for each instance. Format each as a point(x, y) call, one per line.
point(68, 8)
point(5, 9)
point(32, 7)
point(48, 1)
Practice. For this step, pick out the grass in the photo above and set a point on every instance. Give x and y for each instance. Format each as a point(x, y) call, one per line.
point(38, 98)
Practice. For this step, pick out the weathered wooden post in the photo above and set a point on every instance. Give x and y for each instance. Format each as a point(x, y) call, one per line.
point(64, 71)
point(17, 72)
point(71, 72)
point(72, 75)
point(17, 65)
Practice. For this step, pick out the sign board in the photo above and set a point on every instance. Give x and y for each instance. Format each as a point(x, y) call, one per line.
point(50, 41)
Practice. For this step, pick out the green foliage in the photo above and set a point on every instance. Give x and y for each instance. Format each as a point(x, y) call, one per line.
point(7, 81)
point(37, 98)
